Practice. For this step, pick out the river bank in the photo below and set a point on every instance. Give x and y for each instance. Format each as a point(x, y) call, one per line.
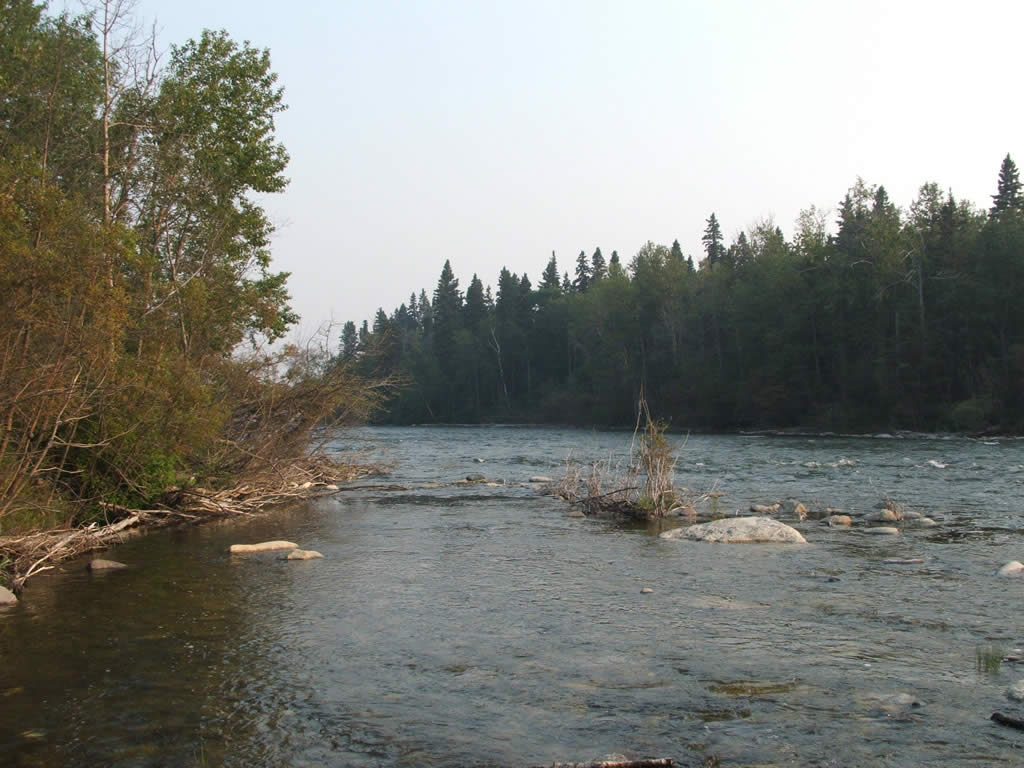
point(25, 555)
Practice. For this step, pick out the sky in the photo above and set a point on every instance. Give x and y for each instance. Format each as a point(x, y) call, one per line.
point(493, 133)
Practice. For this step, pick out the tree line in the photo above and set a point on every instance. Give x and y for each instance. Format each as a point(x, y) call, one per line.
point(135, 265)
point(899, 318)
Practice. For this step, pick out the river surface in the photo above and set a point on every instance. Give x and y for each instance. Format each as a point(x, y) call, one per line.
point(477, 625)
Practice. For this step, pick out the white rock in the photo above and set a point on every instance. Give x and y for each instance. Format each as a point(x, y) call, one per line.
point(1016, 691)
point(302, 554)
point(7, 597)
point(882, 530)
point(646, 591)
point(331, 487)
point(739, 530)
point(1012, 568)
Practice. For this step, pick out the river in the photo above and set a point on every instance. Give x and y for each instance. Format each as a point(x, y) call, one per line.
point(476, 625)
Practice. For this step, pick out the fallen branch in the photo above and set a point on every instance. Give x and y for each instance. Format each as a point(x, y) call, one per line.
point(657, 762)
point(1011, 722)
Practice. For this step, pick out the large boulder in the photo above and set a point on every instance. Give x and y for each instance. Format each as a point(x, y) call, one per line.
point(739, 530)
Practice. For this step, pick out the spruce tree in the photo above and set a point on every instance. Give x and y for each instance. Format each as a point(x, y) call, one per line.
point(712, 240)
point(582, 281)
point(598, 268)
point(549, 282)
point(1008, 195)
point(349, 341)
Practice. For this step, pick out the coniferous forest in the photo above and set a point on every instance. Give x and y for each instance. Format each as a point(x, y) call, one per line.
point(892, 318)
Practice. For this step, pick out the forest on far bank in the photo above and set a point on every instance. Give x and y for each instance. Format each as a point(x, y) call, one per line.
point(902, 318)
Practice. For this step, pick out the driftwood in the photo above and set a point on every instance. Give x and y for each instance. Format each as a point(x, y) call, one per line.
point(1011, 722)
point(656, 762)
point(315, 476)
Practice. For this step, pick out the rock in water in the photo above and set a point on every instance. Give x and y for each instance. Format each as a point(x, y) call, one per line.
point(476, 477)
point(882, 530)
point(883, 516)
point(1016, 691)
point(739, 530)
point(105, 565)
point(1012, 568)
point(839, 520)
point(265, 546)
point(7, 597)
point(302, 554)
point(765, 509)
point(541, 479)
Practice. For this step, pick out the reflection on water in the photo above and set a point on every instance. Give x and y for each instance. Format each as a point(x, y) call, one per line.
point(482, 626)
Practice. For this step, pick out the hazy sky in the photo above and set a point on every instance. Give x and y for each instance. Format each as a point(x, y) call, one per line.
point(491, 133)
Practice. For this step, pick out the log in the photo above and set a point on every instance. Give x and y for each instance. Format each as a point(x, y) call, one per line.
point(1011, 722)
point(655, 762)
point(265, 546)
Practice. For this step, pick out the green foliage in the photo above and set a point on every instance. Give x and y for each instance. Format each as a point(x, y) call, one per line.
point(134, 262)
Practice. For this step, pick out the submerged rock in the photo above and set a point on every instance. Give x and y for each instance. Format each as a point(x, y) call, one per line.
point(922, 522)
point(105, 565)
point(883, 516)
point(541, 479)
point(1016, 691)
point(794, 508)
point(765, 509)
point(476, 477)
point(7, 597)
point(1012, 568)
point(264, 546)
point(302, 554)
point(739, 530)
point(882, 530)
point(838, 520)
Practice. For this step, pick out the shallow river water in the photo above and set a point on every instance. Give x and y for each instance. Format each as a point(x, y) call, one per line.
point(475, 625)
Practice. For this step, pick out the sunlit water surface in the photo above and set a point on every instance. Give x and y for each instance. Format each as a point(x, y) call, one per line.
point(483, 626)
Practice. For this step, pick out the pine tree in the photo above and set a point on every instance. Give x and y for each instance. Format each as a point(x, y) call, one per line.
point(566, 283)
point(615, 266)
point(549, 282)
point(1008, 196)
point(475, 306)
point(598, 268)
point(349, 341)
point(582, 281)
point(447, 307)
point(712, 240)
